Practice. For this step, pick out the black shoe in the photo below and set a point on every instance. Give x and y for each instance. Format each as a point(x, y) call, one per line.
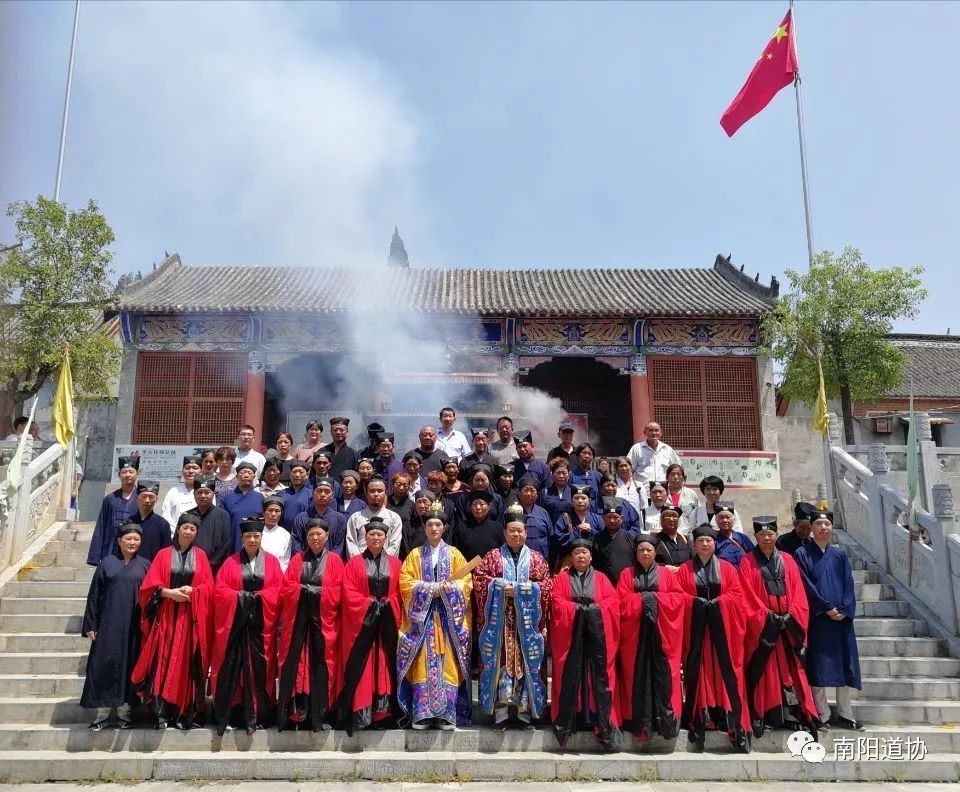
point(529, 727)
point(823, 726)
point(125, 724)
point(101, 725)
point(160, 725)
point(183, 725)
point(851, 725)
point(500, 727)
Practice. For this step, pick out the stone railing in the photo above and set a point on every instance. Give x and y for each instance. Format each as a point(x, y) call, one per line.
point(32, 508)
point(875, 514)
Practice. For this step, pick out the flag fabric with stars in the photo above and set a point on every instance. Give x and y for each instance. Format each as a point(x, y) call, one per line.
point(776, 69)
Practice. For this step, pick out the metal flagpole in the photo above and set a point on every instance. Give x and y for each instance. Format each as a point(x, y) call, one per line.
point(66, 101)
point(803, 147)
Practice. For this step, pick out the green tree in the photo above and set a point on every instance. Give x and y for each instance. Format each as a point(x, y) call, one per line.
point(55, 287)
point(841, 310)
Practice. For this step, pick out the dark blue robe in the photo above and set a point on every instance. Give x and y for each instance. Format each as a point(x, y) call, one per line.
point(113, 613)
point(241, 505)
point(336, 531)
point(539, 529)
point(631, 517)
point(114, 512)
point(832, 657)
point(356, 504)
point(556, 503)
point(589, 478)
point(727, 549)
point(295, 503)
point(387, 470)
point(156, 535)
point(533, 468)
point(562, 535)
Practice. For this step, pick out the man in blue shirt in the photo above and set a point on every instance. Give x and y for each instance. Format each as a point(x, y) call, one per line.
point(526, 463)
point(732, 545)
point(244, 501)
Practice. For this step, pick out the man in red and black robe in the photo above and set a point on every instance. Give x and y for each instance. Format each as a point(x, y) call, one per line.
point(244, 667)
point(584, 633)
point(652, 611)
point(309, 633)
point(371, 610)
point(715, 697)
point(777, 614)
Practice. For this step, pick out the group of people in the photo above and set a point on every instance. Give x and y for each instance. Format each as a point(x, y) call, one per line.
point(356, 599)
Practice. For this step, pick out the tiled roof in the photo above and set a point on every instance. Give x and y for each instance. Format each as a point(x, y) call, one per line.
point(720, 290)
point(933, 364)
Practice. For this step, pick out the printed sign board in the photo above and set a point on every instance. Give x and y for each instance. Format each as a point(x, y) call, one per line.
point(738, 469)
point(161, 463)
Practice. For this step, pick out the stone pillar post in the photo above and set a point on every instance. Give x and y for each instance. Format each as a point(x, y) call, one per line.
point(253, 402)
point(832, 439)
point(879, 465)
point(640, 406)
point(942, 499)
point(929, 466)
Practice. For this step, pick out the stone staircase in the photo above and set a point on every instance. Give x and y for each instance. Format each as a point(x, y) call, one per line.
point(911, 690)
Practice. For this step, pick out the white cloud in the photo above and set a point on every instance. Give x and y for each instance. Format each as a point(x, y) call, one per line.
point(240, 133)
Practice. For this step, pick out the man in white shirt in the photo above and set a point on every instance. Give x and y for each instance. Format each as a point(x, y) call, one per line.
point(19, 427)
point(375, 509)
point(245, 451)
point(453, 443)
point(276, 540)
point(179, 499)
point(651, 458)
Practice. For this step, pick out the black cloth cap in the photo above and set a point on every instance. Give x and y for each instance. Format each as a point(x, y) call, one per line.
point(671, 508)
point(483, 495)
point(385, 437)
point(247, 466)
point(581, 541)
point(273, 499)
point(352, 473)
point(766, 523)
point(148, 486)
point(648, 538)
point(374, 429)
point(612, 505)
point(321, 453)
point(186, 517)
point(705, 530)
point(375, 523)
point(479, 430)
point(410, 455)
point(317, 522)
point(339, 419)
point(720, 506)
point(817, 514)
point(128, 461)
point(300, 464)
point(802, 511)
point(251, 525)
point(191, 460)
point(204, 482)
point(712, 481)
point(478, 467)
point(522, 436)
point(579, 489)
point(527, 480)
point(514, 516)
point(129, 528)
point(502, 470)
point(325, 481)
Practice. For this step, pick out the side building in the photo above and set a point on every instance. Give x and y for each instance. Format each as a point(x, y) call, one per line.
point(209, 348)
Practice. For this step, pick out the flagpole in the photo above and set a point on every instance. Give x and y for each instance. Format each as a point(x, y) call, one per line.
point(66, 101)
point(803, 145)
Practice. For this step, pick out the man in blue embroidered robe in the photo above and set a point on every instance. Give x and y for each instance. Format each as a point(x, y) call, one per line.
point(512, 588)
point(433, 652)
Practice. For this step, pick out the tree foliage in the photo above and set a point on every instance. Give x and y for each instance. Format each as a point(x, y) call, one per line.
point(841, 310)
point(55, 288)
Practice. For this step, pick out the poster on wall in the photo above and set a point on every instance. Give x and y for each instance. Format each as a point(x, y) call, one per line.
point(161, 463)
point(738, 469)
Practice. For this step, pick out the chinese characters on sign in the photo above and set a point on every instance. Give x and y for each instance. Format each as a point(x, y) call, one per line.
point(850, 749)
point(738, 469)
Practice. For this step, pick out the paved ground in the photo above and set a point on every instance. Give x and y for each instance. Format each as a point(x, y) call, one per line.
point(360, 786)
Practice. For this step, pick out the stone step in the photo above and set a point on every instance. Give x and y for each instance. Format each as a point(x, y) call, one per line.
point(76, 737)
point(74, 535)
point(914, 689)
point(40, 685)
point(909, 666)
point(43, 642)
point(40, 622)
point(72, 663)
point(47, 588)
point(36, 709)
point(886, 609)
point(875, 591)
point(58, 573)
point(904, 711)
point(47, 605)
point(885, 646)
point(862, 576)
point(889, 628)
point(434, 766)
point(75, 557)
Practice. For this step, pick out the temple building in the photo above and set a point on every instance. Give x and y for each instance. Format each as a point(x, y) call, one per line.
point(209, 348)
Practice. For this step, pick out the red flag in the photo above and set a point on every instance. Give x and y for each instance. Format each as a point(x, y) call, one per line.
point(776, 69)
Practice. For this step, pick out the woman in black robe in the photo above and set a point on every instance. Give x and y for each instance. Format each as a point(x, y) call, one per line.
point(112, 623)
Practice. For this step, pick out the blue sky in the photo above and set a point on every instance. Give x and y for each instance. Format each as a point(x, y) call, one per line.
point(493, 134)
